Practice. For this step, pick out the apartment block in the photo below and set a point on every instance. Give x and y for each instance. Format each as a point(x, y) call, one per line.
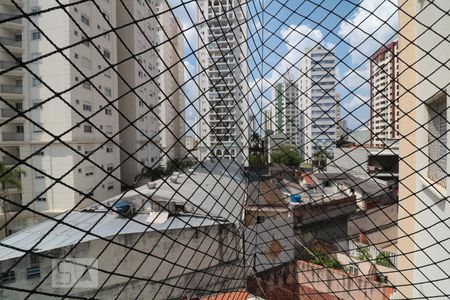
point(424, 81)
point(318, 100)
point(288, 117)
point(223, 103)
point(138, 89)
point(384, 94)
point(72, 135)
point(170, 70)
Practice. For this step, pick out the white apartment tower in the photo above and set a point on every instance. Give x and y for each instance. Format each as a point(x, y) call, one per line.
point(384, 94)
point(318, 100)
point(138, 88)
point(170, 79)
point(55, 94)
point(222, 69)
point(287, 111)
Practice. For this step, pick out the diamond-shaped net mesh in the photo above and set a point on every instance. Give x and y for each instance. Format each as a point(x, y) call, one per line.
point(224, 149)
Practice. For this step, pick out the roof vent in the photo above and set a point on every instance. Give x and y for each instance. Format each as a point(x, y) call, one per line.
point(151, 185)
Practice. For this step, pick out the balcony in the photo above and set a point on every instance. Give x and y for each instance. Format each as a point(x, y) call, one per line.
point(10, 22)
point(11, 113)
point(13, 44)
point(11, 90)
point(13, 137)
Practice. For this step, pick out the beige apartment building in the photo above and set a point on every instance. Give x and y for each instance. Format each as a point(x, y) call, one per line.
point(424, 82)
point(152, 102)
point(170, 70)
point(55, 94)
point(81, 109)
point(384, 94)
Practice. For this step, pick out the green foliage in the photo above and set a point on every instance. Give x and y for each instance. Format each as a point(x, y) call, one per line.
point(321, 159)
point(383, 259)
point(287, 155)
point(256, 161)
point(364, 253)
point(321, 257)
point(10, 176)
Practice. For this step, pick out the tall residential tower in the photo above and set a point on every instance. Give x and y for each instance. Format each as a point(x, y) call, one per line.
point(223, 105)
point(384, 95)
point(319, 101)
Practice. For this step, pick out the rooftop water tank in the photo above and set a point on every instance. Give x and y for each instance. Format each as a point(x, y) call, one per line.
point(122, 207)
point(296, 198)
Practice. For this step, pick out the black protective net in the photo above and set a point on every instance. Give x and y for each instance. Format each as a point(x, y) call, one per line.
point(224, 149)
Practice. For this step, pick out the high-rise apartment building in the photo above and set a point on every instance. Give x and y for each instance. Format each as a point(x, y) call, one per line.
point(223, 105)
point(170, 79)
point(384, 93)
point(138, 90)
point(69, 96)
point(288, 117)
point(152, 101)
point(424, 184)
point(318, 100)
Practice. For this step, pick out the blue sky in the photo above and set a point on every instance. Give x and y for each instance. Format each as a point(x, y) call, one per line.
point(282, 29)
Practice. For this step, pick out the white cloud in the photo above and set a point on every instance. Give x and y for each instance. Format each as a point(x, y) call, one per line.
point(356, 80)
point(356, 102)
point(297, 38)
point(186, 15)
point(191, 91)
point(372, 25)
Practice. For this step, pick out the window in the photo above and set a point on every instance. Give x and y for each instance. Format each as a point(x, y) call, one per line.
point(106, 54)
point(87, 107)
point(37, 104)
point(110, 167)
point(108, 129)
point(85, 20)
point(36, 10)
point(86, 85)
point(109, 149)
point(87, 128)
point(108, 111)
point(36, 82)
point(108, 92)
point(7, 277)
point(437, 139)
point(39, 176)
point(110, 186)
point(89, 171)
point(36, 55)
point(35, 35)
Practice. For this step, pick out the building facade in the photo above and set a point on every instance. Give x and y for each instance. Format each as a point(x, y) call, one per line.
point(424, 184)
point(138, 90)
point(319, 101)
point(170, 68)
point(384, 94)
point(223, 103)
point(288, 117)
point(72, 135)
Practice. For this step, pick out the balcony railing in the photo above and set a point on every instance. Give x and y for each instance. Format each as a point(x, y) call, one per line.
point(10, 89)
point(10, 42)
point(12, 136)
point(8, 112)
point(7, 16)
point(9, 64)
point(9, 161)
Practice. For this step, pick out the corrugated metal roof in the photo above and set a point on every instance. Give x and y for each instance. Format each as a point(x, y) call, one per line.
point(214, 190)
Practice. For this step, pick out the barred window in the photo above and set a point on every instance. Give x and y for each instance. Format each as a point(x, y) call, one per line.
point(437, 140)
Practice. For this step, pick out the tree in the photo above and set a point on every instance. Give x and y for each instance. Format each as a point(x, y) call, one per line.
point(8, 177)
point(321, 257)
point(287, 155)
point(256, 161)
point(383, 259)
point(321, 159)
